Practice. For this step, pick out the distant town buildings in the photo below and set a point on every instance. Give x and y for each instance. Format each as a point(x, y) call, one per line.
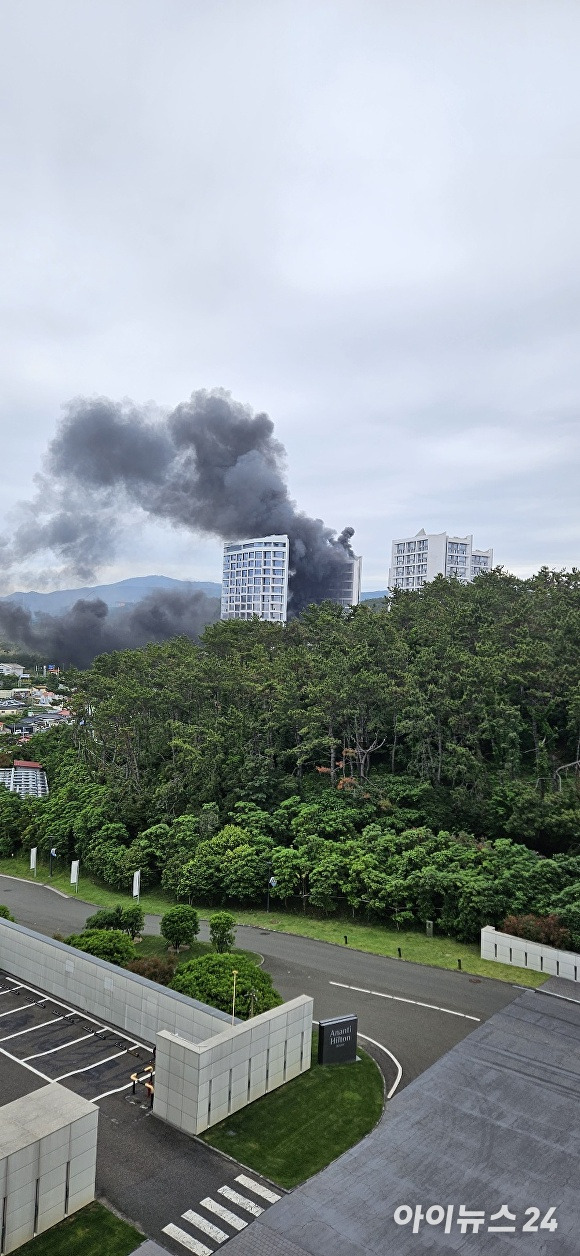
point(418, 559)
point(27, 779)
point(12, 669)
point(255, 579)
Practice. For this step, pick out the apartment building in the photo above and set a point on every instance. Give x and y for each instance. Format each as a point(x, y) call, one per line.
point(417, 559)
point(255, 579)
point(346, 588)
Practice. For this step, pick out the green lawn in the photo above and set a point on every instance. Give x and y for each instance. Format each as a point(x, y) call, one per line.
point(154, 944)
point(94, 1231)
point(440, 951)
point(90, 888)
point(295, 1131)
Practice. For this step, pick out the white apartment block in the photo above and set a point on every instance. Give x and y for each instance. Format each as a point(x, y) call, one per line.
point(417, 559)
point(255, 579)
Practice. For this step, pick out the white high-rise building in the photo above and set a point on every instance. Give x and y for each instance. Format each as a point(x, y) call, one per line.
point(346, 588)
point(417, 559)
point(255, 579)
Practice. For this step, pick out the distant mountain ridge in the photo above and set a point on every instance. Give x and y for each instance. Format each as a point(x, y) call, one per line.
point(122, 593)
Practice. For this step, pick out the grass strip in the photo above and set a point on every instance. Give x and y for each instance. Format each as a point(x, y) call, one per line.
point(439, 951)
point(94, 1231)
point(300, 1128)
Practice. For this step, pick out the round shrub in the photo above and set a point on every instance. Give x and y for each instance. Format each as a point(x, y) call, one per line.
point(210, 979)
point(110, 944)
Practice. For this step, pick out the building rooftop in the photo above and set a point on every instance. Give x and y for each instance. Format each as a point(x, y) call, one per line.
point(492, 1125)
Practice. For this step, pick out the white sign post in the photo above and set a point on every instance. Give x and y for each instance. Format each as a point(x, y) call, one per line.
point(33, 851)
point(74, 874)
point(136, 884)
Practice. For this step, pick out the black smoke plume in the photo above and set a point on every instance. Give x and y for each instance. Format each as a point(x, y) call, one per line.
point(211, 466)
point(74, 638)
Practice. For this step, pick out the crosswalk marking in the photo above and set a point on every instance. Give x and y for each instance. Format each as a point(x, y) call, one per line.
point(247, 1204)
point(207, 1227)
point(224, 1213)
point(192, 1245)
point(258, 1189)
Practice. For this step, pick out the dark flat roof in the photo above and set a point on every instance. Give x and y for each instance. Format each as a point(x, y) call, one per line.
point(494, 1122)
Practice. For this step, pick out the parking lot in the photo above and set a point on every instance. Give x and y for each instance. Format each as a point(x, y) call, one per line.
point(56, 1043)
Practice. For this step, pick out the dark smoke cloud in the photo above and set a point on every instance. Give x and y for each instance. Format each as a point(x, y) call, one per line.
point(211, 466)
point(89, 628)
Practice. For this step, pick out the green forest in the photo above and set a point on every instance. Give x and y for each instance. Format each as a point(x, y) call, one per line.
point(416, 761)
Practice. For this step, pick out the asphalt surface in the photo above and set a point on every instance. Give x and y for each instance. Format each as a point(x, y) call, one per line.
point(409, 1016)
point(415, 1035)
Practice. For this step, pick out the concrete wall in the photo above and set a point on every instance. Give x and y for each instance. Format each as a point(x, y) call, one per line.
point(199, 1084)
point(205, 1066)
point(506, 949)
point(48, 1152)
point(126, 1000)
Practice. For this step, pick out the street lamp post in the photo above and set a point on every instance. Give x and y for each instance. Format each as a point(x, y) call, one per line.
point(234, 975)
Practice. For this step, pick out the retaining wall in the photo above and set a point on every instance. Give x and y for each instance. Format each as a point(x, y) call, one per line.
point(104, 990)
point(506, 949)
point(199, 1084)
point(48, 1153)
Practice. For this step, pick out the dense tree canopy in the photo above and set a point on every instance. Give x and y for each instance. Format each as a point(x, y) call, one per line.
point(419, 761)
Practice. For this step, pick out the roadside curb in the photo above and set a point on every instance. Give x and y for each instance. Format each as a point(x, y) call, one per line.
point(45, 886)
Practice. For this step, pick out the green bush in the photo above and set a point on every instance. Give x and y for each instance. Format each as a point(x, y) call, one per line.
point(105, 918)
point(211, 980)
point(110, 944)
point(128, 919)
point(180, 926)
point(4, 913)
point(222, 930)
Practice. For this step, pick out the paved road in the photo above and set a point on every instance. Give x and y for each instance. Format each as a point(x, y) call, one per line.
point(155, 1175)
point(408, 1022)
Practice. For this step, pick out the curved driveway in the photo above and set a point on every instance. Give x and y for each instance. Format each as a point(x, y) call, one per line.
point(417, 1012)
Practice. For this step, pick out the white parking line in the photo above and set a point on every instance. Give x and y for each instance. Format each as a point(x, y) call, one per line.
point(247, 1204)
point(14, 1010)
point(206, 1227)
point(397, 998)
point(88, 1067)
point(63, 1046)
point(187, 1240)
point(11, 990)
point(77, 1012)
point(225, 1214)
point(120, 1089)
point(31, 1028)
point(15, 1060)
point(257, 1187)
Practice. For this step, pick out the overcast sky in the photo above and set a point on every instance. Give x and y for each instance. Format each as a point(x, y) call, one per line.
point(360, 216)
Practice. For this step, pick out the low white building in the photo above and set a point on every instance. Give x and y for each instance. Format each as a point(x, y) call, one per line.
point(26, 779)
point(417, 559)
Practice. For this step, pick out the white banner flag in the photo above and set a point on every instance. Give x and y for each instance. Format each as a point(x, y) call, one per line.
point(33, 858)
point(136, 883)
point(74, 872)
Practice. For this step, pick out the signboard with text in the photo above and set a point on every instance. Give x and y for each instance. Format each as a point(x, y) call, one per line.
point(337, 1040)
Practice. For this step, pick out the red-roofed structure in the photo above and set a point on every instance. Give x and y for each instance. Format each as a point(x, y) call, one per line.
point(26, 763)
